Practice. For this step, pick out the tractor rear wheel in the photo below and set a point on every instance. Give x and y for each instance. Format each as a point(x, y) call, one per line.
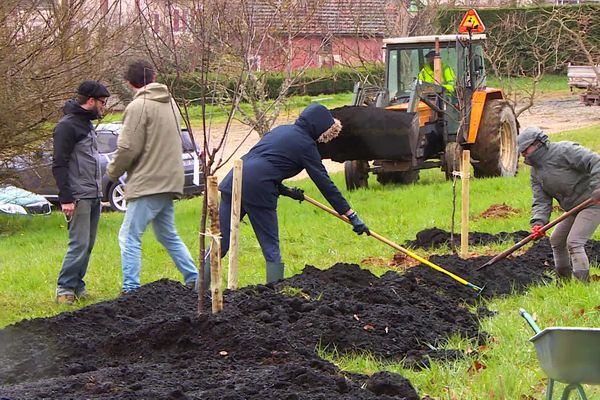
point(403, 177)
point(356, 173)
point(496, 146)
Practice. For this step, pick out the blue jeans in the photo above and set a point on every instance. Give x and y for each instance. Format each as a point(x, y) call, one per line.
point(82, 236)
point(158, 209)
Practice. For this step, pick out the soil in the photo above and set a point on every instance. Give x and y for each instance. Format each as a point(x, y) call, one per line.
point(499, 211)
point(150, 344)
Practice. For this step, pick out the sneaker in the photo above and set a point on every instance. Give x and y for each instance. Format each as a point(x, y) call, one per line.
point(81, 294)
point(68, 299)
point(193, 285)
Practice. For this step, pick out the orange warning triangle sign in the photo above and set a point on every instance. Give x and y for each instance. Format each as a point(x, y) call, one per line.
point(471, 22)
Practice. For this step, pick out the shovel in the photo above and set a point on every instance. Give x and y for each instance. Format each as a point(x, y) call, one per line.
point(396, 246)
point(529, 238)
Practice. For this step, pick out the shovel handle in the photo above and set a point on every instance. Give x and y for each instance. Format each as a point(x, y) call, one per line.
point(529, 238)
point(395, 245)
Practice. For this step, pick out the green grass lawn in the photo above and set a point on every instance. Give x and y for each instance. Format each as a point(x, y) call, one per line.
point(31, 251)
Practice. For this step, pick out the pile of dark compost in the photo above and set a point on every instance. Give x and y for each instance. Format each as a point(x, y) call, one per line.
point(150, 344)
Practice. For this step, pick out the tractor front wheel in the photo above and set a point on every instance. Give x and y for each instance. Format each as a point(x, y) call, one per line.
point(452, 159)
point(404, 177)
point(495, 149)
point(356, 173)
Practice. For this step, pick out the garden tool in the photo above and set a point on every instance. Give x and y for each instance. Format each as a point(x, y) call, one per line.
point(544, 228)
point(397, 246)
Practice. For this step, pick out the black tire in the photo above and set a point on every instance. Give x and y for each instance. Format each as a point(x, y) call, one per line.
point(356, 173)
point(116, 197)
point(403, 178)
point(452, 159)
point(495, 149)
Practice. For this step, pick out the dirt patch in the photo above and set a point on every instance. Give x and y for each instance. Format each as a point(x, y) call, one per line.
point(149, 344)
point(435, 237)
point(499, 211)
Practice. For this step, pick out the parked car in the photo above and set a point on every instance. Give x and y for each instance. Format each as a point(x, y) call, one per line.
point(34, 173)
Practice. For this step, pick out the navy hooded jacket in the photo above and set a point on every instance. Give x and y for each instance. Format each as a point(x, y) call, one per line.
point(283, 153)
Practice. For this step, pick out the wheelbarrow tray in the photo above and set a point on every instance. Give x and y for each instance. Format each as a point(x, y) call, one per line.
point(569, 355)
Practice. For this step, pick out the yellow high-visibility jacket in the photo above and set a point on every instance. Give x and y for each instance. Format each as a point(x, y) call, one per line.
point(427, 75)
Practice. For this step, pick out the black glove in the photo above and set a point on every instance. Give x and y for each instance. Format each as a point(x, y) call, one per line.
point(357, 225)
point(295, 193)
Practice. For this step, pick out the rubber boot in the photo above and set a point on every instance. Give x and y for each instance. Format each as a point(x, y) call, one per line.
point(274, 271)
point(563, 275)
point(583, 275)
point(206, 272)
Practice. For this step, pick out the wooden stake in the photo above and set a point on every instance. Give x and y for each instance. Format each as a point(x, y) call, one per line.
point(236, 206)
point(215, 245)
point(464, 224)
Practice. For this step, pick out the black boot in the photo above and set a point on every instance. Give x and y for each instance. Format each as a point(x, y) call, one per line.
point(274, 271)
point(583, 275)
point(563, 275)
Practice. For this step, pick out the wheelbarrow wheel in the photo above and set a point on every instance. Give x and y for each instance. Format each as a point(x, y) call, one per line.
point(356, 173)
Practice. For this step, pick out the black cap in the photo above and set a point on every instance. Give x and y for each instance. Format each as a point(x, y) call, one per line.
point(430, 54)
point(93, 89)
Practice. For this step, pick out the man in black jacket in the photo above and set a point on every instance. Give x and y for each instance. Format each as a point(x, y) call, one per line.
point(283, 153)
point(76, 169)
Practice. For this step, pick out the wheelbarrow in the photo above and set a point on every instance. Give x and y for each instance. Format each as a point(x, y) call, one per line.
point(567, 355)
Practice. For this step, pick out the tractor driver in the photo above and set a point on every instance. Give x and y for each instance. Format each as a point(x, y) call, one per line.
point(427, 74)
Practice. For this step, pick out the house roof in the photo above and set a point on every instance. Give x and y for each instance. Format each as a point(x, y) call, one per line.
point(311, 17)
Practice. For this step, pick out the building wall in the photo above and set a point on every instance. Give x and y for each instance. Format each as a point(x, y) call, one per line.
point(311, 52)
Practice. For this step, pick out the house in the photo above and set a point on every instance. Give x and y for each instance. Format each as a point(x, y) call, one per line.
point(316, 34)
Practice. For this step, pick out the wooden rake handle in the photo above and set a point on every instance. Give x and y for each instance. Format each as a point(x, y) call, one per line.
point(395, 245)
point(529, 238)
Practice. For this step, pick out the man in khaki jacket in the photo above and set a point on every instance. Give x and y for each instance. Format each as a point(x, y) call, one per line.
point(149, 150)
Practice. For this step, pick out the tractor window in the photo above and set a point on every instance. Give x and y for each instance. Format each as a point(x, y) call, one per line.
point(406, 65)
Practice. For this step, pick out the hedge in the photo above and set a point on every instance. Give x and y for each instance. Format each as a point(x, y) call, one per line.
point(312, 82)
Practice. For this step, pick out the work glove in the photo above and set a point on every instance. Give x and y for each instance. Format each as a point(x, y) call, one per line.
point(294, 193)
point(596, 195)
point(537, 232)
point(357, 225)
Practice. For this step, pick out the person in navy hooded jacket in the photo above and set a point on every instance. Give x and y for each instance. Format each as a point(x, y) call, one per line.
point(281, 154)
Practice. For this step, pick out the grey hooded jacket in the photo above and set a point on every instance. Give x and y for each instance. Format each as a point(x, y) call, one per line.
point(564, 171)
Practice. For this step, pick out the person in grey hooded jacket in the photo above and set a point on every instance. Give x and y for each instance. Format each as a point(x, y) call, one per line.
point(569, 173)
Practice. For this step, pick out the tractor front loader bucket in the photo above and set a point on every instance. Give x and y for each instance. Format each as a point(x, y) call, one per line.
point(370, 133)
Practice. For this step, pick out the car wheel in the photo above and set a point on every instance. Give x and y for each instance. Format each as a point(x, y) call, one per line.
point(116, 197)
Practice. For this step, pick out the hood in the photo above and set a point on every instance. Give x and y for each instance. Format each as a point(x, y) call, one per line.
point(530, 135)
point(154, 91)
point(73, 107)
point(315, 119)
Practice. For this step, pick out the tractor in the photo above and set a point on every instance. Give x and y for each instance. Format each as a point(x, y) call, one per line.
point(438, 84)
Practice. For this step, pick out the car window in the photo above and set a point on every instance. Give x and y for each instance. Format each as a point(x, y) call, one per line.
point(107, 141)
point(186, 141)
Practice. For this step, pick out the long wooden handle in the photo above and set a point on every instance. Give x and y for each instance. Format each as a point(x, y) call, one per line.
point(529, 238)
point(395, 245)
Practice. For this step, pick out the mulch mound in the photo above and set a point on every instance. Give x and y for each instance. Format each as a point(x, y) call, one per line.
point(499, 211)
point(150, 344)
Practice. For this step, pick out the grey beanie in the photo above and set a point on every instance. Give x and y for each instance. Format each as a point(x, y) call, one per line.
point(530, 135)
